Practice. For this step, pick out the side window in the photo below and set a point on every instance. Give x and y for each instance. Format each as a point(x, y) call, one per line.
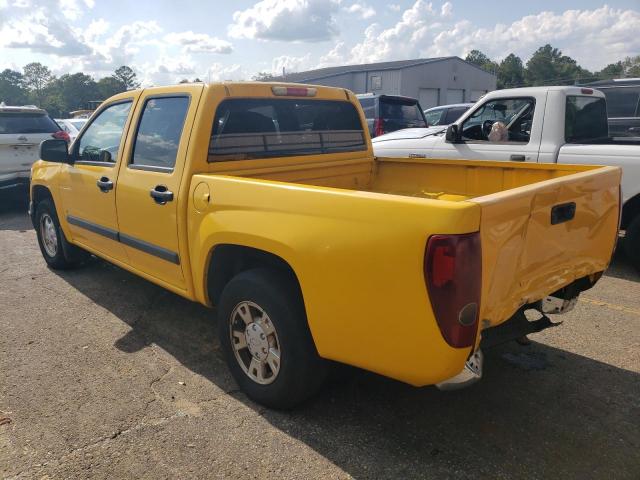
point(104, 134)
point(622, 101)
point(159, 131)
point(499, 121)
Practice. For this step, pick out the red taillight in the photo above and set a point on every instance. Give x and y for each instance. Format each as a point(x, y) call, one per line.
point(586, 91)
point(61, 135)
point(453, 273)
point(378, 127)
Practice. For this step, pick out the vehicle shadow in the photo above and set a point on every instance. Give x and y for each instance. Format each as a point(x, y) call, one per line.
point(539, 412)
point(14, 203)
point(621, 267)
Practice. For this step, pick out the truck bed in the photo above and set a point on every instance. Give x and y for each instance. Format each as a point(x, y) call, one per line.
point(525, 256)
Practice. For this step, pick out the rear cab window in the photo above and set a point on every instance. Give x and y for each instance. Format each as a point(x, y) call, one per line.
point(585, 119)
point(400, 113)
point(25, 122)
point(256, 128)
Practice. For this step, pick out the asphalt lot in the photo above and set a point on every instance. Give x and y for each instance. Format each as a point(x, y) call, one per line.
point(104, 375)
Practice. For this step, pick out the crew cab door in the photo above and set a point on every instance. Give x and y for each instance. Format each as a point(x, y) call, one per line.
point(88, 186)
point(522, 118)
point(149, 194)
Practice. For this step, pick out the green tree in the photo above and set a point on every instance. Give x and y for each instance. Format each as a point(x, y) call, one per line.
point(481, 60)
point(107, 87)
point(12, 88)
point(127, 77)
point(632, 66)
point(511, 72)
point(548, 66)
point(75, 90)
point(263, 77)
point(37, 78)
point(613, 70)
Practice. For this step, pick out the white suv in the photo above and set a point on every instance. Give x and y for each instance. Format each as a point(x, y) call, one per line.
point(21, 131)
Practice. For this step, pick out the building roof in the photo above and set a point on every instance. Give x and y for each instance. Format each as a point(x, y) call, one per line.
point(366, 67)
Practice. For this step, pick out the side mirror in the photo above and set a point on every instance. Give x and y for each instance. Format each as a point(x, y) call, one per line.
point(453, 134)
point(55, 150)
point(105, 156)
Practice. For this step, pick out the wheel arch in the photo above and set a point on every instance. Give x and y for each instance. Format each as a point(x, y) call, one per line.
point(38, 194)
point(226, 260)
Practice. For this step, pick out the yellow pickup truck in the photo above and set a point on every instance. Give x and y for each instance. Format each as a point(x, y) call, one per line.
point(266, 201)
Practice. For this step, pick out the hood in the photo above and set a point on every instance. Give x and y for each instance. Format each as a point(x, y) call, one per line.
point(409, 134)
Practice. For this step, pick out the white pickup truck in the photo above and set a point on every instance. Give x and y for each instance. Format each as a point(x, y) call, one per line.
point(545, 125)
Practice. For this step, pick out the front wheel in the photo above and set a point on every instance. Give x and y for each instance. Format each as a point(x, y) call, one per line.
point(56, 250)
point(632, 242)
point(266, 340)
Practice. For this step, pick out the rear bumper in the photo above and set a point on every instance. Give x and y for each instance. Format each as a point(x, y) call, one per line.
point(470, 374)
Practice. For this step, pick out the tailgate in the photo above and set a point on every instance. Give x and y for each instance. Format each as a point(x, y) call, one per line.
point(525, 256)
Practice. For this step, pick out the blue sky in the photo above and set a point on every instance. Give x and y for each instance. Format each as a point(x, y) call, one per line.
point(167, 40)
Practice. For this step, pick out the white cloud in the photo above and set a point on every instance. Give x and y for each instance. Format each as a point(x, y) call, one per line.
point(362, 10)
point(394, 7)
point(593, 37)
point(287, 20)
point(199, 42)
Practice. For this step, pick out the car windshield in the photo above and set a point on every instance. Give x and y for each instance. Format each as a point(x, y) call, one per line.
point(26, 123)
point(78, 123)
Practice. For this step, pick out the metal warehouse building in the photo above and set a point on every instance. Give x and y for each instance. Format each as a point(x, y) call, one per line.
point(433, 81)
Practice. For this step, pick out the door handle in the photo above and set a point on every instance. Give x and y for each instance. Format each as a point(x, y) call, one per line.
point(517, 158)
point(161, 194)
point(104, 184)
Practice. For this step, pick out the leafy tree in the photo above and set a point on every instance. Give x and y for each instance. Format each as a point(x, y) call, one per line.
point(264, 77)
point(548, 66)
point(37, 78)
point(12, 88)
point(613, 70)
point(127, 77)
point(75, 90)
point(511, 72)
point(632, 66)
point(481, 60)
point(107, 87)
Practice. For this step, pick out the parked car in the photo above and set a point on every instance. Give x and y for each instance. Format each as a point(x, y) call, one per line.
point(21, 131)
point(388, 113)
point(623, 107)
point(71, 125)
point(575, 131)
point(268, 202)
point(445, 114)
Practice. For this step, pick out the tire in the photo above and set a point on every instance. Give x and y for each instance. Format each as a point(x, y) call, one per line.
point(56, 250)
point(632, 242)
point(264, 307)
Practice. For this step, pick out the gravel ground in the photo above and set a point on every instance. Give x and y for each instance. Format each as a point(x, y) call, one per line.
point(104, 375)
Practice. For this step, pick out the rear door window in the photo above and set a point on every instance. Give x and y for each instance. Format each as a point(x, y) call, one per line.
point(159, 132)
point(27, 123)
point(265, 127)
point(400, 113)
point(622, 102)
point(585, 119)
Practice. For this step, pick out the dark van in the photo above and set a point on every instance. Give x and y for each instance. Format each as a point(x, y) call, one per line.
point(388, 113)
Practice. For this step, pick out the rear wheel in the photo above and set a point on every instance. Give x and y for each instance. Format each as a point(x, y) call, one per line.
point(56, 250)
point(266, 340)
point(632, 242)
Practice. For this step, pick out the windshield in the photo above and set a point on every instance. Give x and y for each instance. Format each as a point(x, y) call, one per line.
point(26, 123)
point(585, 119)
